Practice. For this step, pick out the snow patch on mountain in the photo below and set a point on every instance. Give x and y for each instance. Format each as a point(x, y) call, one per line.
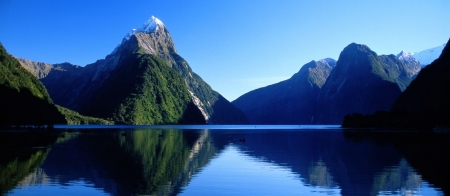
point(412, 65)
point(406, 56)
point(151, 25)
point(426, 57)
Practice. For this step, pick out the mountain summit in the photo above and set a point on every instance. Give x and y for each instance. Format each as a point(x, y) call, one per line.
point(152, 25)
point(413, 66)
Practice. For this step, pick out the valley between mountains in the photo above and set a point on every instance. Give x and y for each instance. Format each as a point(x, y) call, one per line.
point(145, 81)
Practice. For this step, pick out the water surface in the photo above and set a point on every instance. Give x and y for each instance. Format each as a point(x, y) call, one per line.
point(222, 160)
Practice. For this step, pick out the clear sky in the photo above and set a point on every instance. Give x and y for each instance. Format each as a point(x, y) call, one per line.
point(234, 45)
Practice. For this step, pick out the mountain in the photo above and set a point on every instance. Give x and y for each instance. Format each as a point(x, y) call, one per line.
point(423, 105)
point(412, 65)
point(292, 101)
point(147, 92)
point(78, 88)
point(430, 91)
point(323, 92)
point(426, 57)
point(362, 82)
point(24, 100)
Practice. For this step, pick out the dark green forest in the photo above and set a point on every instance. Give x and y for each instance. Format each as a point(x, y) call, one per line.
point(143, 89)
point(24, 100)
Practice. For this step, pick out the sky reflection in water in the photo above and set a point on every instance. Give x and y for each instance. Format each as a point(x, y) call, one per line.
point(254, 176)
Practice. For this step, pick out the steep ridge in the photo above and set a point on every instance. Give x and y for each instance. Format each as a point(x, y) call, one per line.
point(362, 82)
point(292, 101)
point(24, 100)
point(74, 86)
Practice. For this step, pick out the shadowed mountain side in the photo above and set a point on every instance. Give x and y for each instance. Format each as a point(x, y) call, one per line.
point(72, 86)
point(361, 82)
point(323, 92)
point(292, 101)
point(430, 91)
point(24, 100)
point(423, 105)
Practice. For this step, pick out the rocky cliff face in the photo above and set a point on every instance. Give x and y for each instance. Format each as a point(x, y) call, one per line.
point(292, 101)
point(412, 65)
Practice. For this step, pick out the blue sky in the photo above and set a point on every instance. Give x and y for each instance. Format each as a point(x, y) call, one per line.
point(234, 45)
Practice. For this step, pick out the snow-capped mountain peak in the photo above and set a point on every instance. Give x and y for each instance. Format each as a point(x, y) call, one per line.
point(411, 64)
point(403, 55)
point(406, 56)
point(153, 24)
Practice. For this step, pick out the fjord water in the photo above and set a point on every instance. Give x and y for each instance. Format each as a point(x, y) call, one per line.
point(222, 160)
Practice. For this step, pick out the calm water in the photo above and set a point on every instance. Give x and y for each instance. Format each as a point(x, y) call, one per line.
point(222, 160)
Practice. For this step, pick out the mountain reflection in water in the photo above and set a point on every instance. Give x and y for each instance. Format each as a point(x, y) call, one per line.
point(172, 161)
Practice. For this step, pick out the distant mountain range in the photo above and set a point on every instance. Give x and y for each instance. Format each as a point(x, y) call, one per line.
point(143, 81)
point(323, 92)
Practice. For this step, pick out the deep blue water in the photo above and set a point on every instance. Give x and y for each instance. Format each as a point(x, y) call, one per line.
point(223, 160)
